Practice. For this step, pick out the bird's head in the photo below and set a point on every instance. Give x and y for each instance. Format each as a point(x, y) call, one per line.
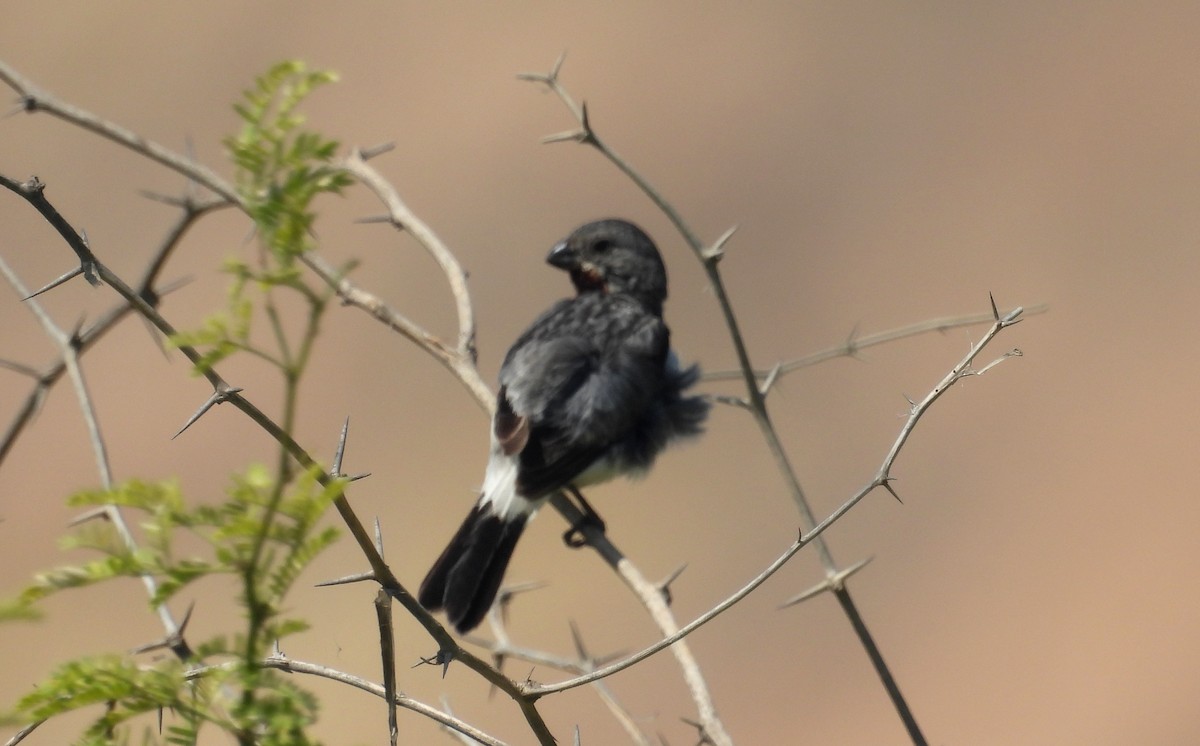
point(613, 256)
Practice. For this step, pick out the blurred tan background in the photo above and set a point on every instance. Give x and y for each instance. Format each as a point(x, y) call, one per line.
point(887, 163)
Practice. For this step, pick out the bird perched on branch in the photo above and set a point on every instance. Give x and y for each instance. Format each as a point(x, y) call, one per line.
point(591, 390)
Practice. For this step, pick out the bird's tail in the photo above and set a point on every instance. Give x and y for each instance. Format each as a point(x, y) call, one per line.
point(466, 577)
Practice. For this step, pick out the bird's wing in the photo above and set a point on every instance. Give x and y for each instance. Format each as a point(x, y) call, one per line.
point(574, 384)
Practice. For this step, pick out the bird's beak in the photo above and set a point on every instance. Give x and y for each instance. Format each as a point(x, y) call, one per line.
point(563, 256)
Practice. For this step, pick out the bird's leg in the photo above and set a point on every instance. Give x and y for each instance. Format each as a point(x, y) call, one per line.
point(574, 536)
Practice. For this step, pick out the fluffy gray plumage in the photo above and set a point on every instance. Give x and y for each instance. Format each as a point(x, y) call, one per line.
point(589, 391)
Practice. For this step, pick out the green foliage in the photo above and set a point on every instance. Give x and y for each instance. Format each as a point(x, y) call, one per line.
point(262, 534)
point(124, 688)
point(281, 715)
point(280, 170)
point(225, 332)
point(267, 529)
point(16, 610)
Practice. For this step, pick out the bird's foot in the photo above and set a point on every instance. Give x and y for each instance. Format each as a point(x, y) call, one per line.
point(576, 536)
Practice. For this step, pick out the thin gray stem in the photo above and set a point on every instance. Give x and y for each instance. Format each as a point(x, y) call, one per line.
point(21, 734)
point(68, 347)
point(405, 219)
point(33, 193)
point(960, 371)
point(281, 662)
point(710, 256)
point(34, 100)
point(855, 344)
point(502, 648)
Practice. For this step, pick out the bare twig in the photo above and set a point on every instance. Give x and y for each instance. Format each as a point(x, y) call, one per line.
point(21, 734)
point(281, 662)
point(503, 648)
point(680, 633)
point(962, 370)
point(652, 599)
point(855, 344)
point(69, 346)
point(72, 349)
point(448, 648)
point(618, 710)
point(47, 377)
point(643, 588)
point(36, 100)
point(462, 367)
point(405, 219)
point(456, 735)
point(219, 396)
point(387, 654)
point(460, 359)
point(710, 256)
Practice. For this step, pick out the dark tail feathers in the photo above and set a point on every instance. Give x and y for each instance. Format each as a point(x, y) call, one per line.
point(466, 577)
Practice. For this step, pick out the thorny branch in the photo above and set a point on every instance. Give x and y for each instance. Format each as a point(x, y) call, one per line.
point(90, 266)
point(854, 345)
point(281, 662)
point(460, 358)
point(710, 256)
point(70, 347)
point(882, 478)
point(33, 100)
point(503, 648)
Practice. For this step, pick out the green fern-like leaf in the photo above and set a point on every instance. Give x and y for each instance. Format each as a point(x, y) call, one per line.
point(282, 168)
point(106, 680)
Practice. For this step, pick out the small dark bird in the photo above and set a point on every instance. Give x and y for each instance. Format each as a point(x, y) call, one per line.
point(591, 390)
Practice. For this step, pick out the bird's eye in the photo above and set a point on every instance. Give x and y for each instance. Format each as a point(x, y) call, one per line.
point(602, 246)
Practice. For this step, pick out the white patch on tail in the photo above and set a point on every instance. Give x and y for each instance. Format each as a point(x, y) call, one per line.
point(500, 487)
